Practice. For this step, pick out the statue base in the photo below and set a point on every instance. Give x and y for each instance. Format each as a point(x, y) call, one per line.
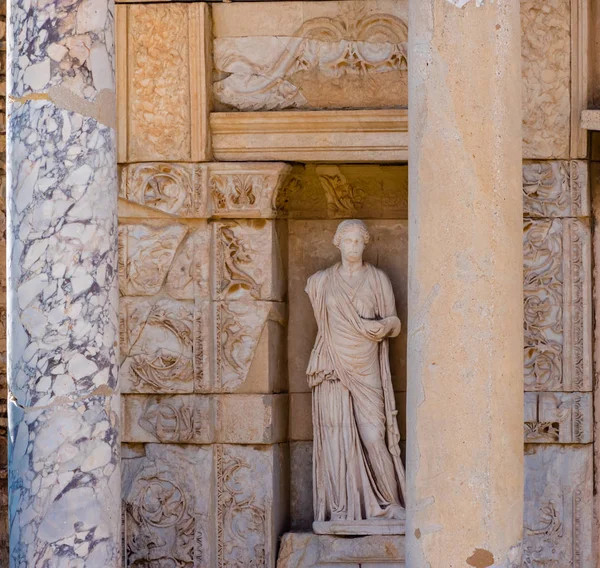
point(360, 528)
point(308, 550)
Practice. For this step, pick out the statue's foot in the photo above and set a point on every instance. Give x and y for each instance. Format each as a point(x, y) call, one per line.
point(397, 512)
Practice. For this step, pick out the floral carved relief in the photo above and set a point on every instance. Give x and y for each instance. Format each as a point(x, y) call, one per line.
point(554, 417)
point(248, 190)
point(159, 115)
point(167, 507)
point(558, 511)
point(176, 189)
point(160, 353)
point(349, 60)
point(546, 63)
point(556, 305)
point(555, 189)
point(242, 521)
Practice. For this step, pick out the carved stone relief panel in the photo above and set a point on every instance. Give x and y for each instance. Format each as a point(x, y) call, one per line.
point(157, 342)
point(163, 62)
point(311, 247)
point(245, 190)
point(205, 419)
point(156, 254)
point(168, 506)
point(176, 189)
point(556, 189)
point(546, 60)
point(558, 506)
point(201, 191)
point(249, 347)
point(557, 303)
point(248, 263)
point(311, 56)
point(340, 192)
point(251, 488)
point(555, 417)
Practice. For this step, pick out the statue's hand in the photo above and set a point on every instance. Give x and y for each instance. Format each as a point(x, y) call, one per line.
point(392, 326)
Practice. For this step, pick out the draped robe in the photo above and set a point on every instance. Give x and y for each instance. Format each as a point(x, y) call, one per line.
point(350, 376)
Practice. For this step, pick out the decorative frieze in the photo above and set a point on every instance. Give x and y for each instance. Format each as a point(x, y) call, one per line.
point(555, 417)
point(202, 191)
point(205, 419)
point(556, 189)
point(558, 506)
point(546, 64)
point(342, 55)
point(251, 493)
point(163, 61)
point(557, 304)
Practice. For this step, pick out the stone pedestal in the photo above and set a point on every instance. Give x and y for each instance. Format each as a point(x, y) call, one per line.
point(465, 332)
point(64, 447)
point(308, 550)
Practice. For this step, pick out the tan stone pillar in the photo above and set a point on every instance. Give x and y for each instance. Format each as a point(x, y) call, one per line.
point(465, 336)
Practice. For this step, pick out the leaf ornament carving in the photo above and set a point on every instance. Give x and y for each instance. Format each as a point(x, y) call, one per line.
point(543, 297)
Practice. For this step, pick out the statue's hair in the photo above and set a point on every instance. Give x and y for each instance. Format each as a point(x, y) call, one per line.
point(348, 224)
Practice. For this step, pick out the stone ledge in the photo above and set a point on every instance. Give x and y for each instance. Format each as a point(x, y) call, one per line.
point(308, 136)
point(308, 550)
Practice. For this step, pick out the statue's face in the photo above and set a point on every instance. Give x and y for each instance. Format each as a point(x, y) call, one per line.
point(352, 245)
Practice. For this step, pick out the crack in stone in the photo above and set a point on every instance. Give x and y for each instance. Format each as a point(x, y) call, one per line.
point(102, 109)
point(101, 391)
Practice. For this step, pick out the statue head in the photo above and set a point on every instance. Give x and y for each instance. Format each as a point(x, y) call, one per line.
point(351, 237)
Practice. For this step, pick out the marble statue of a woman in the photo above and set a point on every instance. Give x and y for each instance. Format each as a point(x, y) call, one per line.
point(357, 474)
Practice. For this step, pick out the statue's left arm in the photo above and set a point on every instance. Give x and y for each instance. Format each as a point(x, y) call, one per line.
point(390, 320)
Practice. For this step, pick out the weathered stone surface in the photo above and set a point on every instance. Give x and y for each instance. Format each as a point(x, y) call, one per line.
point(252, 418)
point(307, 550)
point(311, 56)
point(546, 59)
point(205, 419)
point(247, 261)
point(311, 248)
point(169, 506)
point(556, 189)
point(301, 486)
point(252, 503)
point(146, 252)
point(558, 506)
point(249, 347)
point(345, 191)
point(554, 417)
point(557, 301)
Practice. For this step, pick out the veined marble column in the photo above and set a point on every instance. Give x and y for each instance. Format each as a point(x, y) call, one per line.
point(465, 330)
point(64, 475)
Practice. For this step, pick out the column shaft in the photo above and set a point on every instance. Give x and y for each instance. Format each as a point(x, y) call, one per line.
point(64, 474)
point(465, 355)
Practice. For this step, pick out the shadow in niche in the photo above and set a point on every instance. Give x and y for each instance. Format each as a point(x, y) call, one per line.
point(313, 200)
